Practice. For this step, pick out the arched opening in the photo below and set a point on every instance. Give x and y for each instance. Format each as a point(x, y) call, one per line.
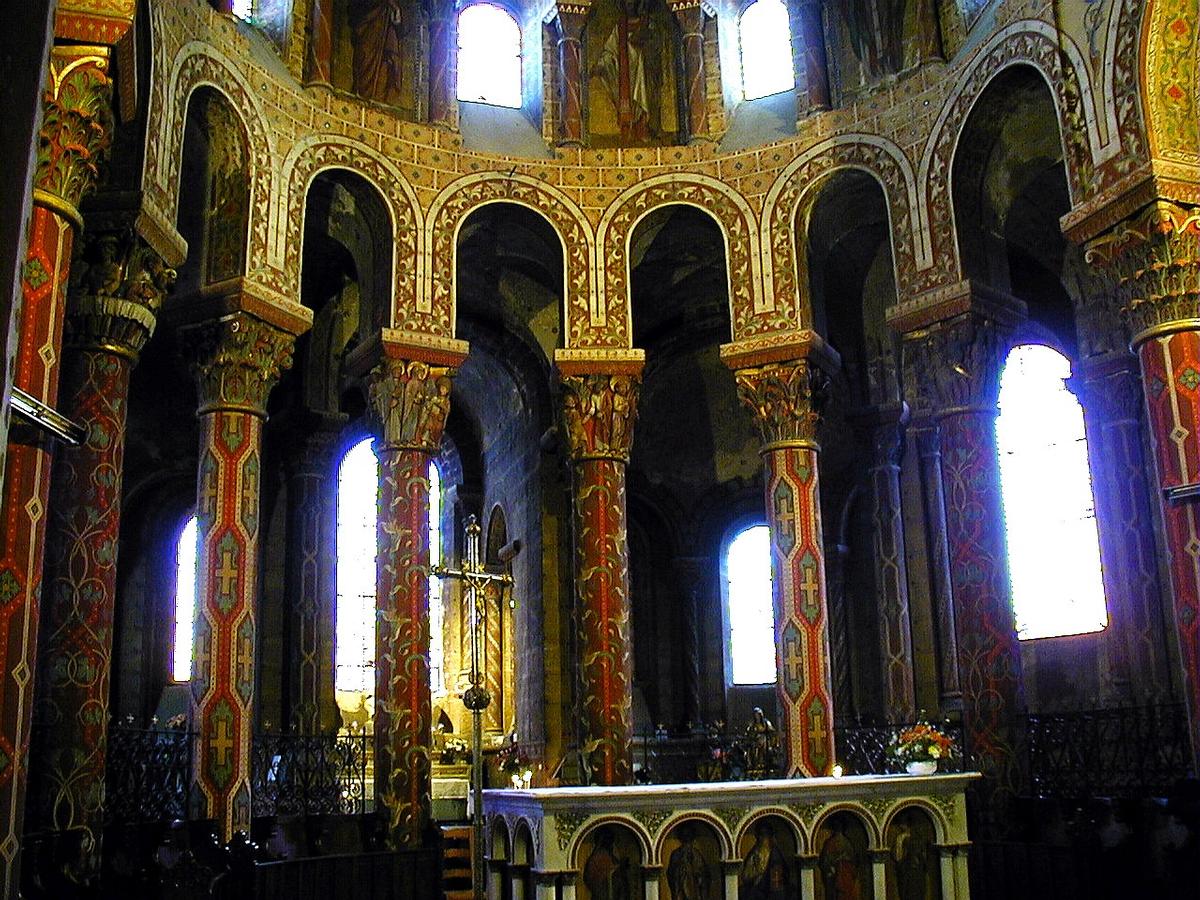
point(187, 551)
point(750, 621)
point(1050, 517)
point(489, 56)
point(357, 516)
point(766, 48)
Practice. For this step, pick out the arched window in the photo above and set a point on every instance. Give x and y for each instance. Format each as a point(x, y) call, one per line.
point(746, 577)
point(244, 9)
point(489, 56)
point(766, 49)
point(357, 514)
point(1049, 511)
point(186, 557)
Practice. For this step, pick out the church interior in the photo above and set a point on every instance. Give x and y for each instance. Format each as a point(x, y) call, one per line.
point(600, 449)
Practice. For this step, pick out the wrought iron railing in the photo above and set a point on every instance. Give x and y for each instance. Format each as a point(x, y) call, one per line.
point(1133, 752)
point(295, 775)
point(148, 775)
point(863, 749)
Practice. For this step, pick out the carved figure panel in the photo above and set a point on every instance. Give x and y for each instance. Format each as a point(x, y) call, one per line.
point(912, 859)
point(610, 865)
point(692, 857)
point(843, 864)
point(768, 855)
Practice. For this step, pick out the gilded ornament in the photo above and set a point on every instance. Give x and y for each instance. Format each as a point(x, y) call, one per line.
point(411, 399)
point(599, 411)
point(566, 824)
point(237, 359)
point(732, 816)
point(807, 812)
point(788, 400)
point(957, 364)
point(652, 819)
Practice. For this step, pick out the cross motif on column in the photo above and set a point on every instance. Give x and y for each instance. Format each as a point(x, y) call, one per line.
point(228, 572)
point(245, 659)
point(222, 742)
point(250, 499)
point(793, 659)
point(208, 496)
point(816, 732)
point(200, 656)
point(785, 516)
point(809, 587)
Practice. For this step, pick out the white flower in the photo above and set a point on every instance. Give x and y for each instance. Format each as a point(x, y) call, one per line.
point(934, 752)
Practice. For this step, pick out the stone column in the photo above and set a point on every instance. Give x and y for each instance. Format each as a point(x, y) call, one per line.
point(75, 136)
point(111, 314)
point(237, 358)
point(568, 26)
point(837, 557)
point(311, 587)
point(961, 361)
point(808, 57)
point(410, 397)
point(1136, 662)
point(786, 397)
point(442, 31)
point(320, 43)
point(884, 426)
point(927, 436)
point(1154, 260)
point(598, 411)
point(694, 574)
point(690, 16)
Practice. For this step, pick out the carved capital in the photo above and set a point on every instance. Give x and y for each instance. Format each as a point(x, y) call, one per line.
point(1110, 388)
point(77, 128)
point(237, 360)
point(411, 399)
point(883, 427)
point(956, 365)
point(599, 411)
point(787, 399)
point(118, 285)
point(1154, 261)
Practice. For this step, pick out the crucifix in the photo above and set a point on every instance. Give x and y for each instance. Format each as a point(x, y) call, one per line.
point(475, 578)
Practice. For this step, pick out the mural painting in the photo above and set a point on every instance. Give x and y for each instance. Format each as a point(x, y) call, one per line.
point(632, 82)
point(768, 852)
point(373, 49)
point(843, 864)
point(692, 853)
point(610, 865)
point(912, 859)
point(873, 40)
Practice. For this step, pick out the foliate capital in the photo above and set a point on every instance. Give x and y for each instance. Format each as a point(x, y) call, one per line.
point(411, 399)
point(955, 366)
point(787, 398)
point(77, 127)
point(599, 411)
point(1154, 261)
point(118, 285)
point(237, 359)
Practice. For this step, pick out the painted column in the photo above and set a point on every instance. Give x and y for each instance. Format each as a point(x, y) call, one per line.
point(891, 569)
point(1136, 661)
point(111, 315)
point(808, 57)
point(1154, 258)
point(690, 16)
point(310, 578)
point(928, 439)
point(411, 399)
point(320, 45)
point(442, 108)
point(599, 411)
point(75, 136)
point(963, 360)
point(237, 359)
point(568, 24)
point(786, 398)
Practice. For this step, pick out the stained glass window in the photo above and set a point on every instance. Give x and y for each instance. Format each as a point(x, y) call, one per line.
point(766, 49)
point(489, 56)
point(187, 551)
point(1049, 510)
point(747, 574)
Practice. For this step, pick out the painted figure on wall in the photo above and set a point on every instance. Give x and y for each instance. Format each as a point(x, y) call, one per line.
point(877, 38)
point(842, 860)
point(377, 31)
point(631, 77)
point(606, 872)
point(688, 873)
point(765, 873)
point(912, 858)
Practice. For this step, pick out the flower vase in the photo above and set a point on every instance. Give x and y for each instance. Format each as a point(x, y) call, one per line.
point(921, 767)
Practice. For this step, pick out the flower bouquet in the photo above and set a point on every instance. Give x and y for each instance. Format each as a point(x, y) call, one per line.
point(453, 749)
point(920, 747)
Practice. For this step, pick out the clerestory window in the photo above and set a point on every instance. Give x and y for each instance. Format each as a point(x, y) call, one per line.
point(1049, 510)
point(763, 31)
point(489, 56)
point(187, 551)
point(749, 616)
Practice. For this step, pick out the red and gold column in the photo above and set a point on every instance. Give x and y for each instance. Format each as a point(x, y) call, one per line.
point(1154, 260)
point(599, 410)
point(569, 22)
point(961, 360)
point(786, 397)
point(76, 133)
point(690, 16)
point(237, 358)
point(110, 315)
point(410, 396)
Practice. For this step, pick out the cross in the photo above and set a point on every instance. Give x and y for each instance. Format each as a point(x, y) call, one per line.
point(200, 658)
point(208, 495)
point(244, 660)
point(785, 516)
point(222, 742)
point(809, 588)
point(816, 734)
point(793, 659)
point(250, 498)
point(228, 573)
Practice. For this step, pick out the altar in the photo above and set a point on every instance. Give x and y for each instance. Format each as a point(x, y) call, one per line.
point(887, 837)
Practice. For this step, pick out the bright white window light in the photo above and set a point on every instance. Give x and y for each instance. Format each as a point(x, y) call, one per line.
point(186, 557)
point(489, 56)
point(358, 488)
point(243, 9)
point(436, 662)
point(1049, 510)
point(766, 49)
point(748, 599)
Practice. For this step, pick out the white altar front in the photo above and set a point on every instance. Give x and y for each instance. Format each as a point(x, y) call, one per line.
point(887, 837)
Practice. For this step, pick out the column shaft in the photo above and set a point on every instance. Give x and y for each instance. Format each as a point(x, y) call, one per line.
point(599, 412)
point(320, 45)
point(441, 69)
point(690, 16)
point(808, 56)
point(569, 26)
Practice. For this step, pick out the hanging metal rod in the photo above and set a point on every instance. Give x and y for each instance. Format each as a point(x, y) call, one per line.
point(38, 414)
